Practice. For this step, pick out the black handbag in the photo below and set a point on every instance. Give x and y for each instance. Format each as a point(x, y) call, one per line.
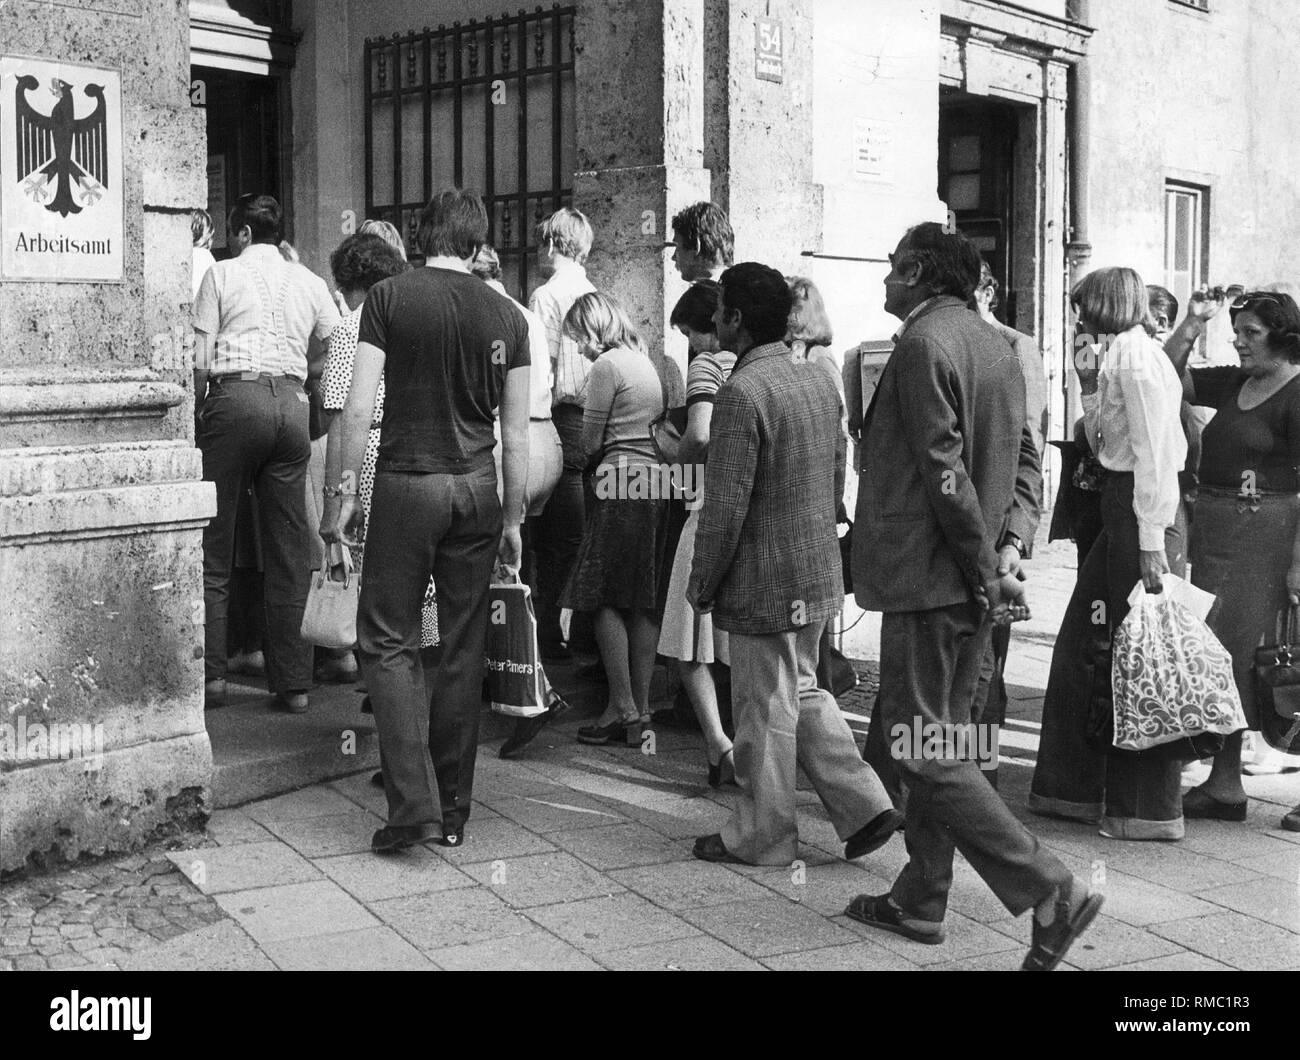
point(1275, 680)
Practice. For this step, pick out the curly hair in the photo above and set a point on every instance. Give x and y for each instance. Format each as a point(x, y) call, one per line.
point(362, 260)
point(201, 228)
point(1277, 312)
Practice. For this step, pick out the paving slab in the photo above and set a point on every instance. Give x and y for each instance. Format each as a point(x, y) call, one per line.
point(1235, 939)
point(859, 956)
point(297, 910)
point(230, 827)
point(451, 918)
point(621, 846)
point(375, 949)
point(221, 947)
point(621, 921)
point(1142, 903)
point(1268, 899)
point(1282, 861)
point(698, 953)
point(534, 951)
point(1108, 942)
point(542, 879)
point(337, 833)
point(767, 927)
point(221, 870)
point(416, 870)
point(318, 801)
point(964, 938)
point(554, 811)
point(683, 885)
point(491, 839)
point(1182, 961)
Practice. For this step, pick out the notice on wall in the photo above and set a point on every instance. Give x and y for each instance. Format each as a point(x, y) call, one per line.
point(769, 50)
point(61, 200)
point(873, 150)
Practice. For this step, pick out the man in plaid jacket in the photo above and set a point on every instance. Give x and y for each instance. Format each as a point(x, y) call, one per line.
point(767, 564)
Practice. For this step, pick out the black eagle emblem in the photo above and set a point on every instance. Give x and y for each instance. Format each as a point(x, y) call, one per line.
point(59, 150)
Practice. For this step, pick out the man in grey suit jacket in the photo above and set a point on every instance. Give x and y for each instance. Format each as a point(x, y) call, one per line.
point(948, 471)
point(767, 565)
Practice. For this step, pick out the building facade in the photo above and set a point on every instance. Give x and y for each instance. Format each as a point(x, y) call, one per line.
point(1059, 134)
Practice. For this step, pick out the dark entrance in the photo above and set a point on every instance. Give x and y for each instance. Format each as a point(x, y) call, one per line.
point(246, 114)
point(977, 147)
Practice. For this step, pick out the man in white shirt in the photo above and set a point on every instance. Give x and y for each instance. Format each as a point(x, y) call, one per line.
point(253, 319)
point(565, 241)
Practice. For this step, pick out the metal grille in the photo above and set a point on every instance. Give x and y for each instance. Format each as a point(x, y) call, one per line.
point(486, 106)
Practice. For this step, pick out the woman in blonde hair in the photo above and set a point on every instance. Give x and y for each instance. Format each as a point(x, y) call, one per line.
point(1131, 401)
point(385, 231)
point(616, 572)
point(810, 334)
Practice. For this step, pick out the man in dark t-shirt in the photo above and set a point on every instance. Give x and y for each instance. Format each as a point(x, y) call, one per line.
point(451, 352)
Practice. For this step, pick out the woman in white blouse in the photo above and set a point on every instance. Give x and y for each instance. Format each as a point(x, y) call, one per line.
point(1131, 400)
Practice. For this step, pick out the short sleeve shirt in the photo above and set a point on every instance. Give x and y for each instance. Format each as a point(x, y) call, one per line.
point(261, 311)
point(706, 374)
point(449, 342)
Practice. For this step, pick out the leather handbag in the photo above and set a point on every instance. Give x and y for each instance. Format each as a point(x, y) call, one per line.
point(1275, 680)
point(667, 429)
point(330, 617)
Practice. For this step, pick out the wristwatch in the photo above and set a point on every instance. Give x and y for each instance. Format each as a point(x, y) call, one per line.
point(1014, 541)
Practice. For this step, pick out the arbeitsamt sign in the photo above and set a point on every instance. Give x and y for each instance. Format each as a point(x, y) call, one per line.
point(61, 203)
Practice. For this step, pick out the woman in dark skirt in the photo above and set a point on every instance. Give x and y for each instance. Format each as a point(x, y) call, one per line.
point(1131, 397)
point(616, 573)
point(1246, 545)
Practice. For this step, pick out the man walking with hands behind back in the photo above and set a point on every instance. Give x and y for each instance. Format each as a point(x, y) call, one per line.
point(767, 565)
point(948, 471)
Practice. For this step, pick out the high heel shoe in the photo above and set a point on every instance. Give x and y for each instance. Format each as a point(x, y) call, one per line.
point(725, 771)
point(599, 735)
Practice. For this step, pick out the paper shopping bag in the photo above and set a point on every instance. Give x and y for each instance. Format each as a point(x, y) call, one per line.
point(514, 664)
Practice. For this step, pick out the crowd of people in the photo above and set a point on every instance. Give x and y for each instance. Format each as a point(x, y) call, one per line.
point(461, 437)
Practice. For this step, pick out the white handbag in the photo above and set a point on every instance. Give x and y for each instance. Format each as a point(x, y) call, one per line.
point(330, 617)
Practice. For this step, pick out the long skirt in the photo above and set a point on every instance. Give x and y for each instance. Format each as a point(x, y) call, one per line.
point(685, 634)
point(1241, 551)
point(1137, 795)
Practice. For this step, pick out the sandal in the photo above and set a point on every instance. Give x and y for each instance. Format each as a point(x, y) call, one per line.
point(1199, 804)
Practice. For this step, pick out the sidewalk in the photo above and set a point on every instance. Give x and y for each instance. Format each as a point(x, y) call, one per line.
point(580, 857)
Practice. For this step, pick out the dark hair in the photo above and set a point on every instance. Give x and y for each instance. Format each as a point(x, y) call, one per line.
point(761, 296)
point(707, 228)
point(987, 279)
point(454, 224)
point(261, 213)
point(1277, 312)
point(949, 262)
point(362, 260)
point(1162, 300)
point(487, 263)
point(695, 308)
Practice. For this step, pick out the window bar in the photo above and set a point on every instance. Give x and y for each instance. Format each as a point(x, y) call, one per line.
point(397, 128)
point(489, 125)
point(428, 114)
point(458, 119)
point(523, 158)
point(369, 129)
point(556, 117)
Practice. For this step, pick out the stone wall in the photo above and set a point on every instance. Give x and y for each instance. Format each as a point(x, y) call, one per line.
point(101, 503)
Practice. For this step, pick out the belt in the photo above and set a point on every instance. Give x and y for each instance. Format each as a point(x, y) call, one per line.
point(252, 377)
point(539, 419)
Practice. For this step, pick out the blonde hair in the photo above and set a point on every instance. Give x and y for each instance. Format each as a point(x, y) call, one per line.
point(1112, 300)
point(385, 231)
point(201, 229)
point(570, 231)
point(808, 320)
point(601, 320)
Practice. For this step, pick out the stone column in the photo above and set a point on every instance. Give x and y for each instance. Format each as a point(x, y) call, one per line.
point(101, 499)
point(640, 132)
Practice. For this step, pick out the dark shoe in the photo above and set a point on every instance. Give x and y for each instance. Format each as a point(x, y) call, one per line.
point(615, 732)
point(291, 702)
point(215, 694)
point(525, 730)
point(725, 771)
point(1051, 943)
point(392, 838)
point(1291, 821)
point(873, 835)
point(879, 912)
point(1199, 804)
point(377, 778)
point(558, 706)
point(366, 706)
point(711, 848)
point(452, 837)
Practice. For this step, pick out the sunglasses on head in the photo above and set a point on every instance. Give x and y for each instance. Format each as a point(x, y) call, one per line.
point(1254, 296)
